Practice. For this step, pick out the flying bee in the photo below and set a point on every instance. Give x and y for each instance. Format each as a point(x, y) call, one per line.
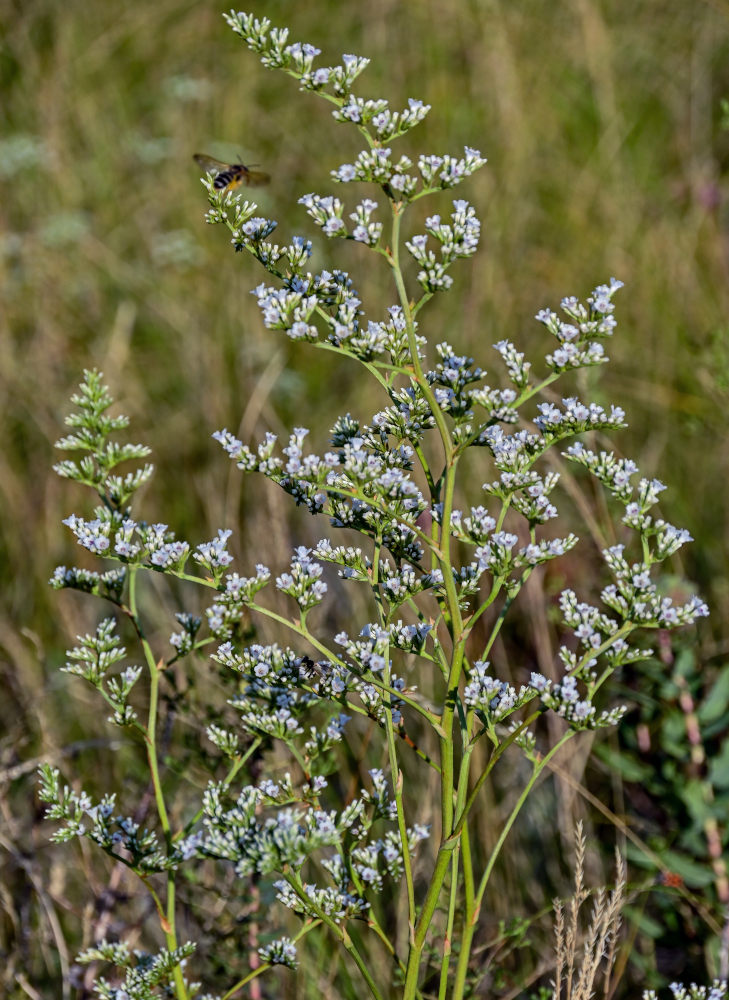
point(229, 176)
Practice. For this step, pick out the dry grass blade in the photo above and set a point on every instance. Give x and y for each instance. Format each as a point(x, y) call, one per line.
point(582, 955)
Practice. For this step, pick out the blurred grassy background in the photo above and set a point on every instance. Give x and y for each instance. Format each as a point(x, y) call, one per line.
point(603, 128)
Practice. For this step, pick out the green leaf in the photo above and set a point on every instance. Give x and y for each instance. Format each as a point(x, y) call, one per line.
point(673, 734)
point(717, 701)
point(627, 767)
point(645, 924)
point(693, 873)
point(719, 767)
point(693, 794)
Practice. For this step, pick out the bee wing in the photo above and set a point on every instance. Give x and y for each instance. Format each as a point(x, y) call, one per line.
point(254, 178)
point(209, 164)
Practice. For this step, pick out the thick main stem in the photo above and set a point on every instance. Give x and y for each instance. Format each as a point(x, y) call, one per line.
point(455, 625)
point(474, 910)
point(150, 739)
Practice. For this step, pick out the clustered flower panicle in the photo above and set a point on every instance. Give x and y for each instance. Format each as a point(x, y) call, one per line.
point(375, 481)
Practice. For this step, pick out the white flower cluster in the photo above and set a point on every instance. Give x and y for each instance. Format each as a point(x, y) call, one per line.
point(303, 583)
point(267, 844)
point(576, 416)
point(214, 555)
point(355, 564)
point(591, 627)
point(281, 689)
point(337, 904)
point(281, 721)
point(226, 741)
point(322, 738)
point(392, 124)
point(391, 336)
point(615, 473)
point(267, 668)
point(93, 658)
point(495, 554)
point(636, 598)
point(400, 584)
point(475, 527)
point(145, 974)
point(410, 638)
point(495, 700)
point(586, 324)
point(366, 489)
point(331, 296)
point(499, 403)
point(120, 836)
point(717, 991)
point(513, 454)
point(282, 951)
point(326, 213)
point(109, 584)
point(460, 239)
point(532, 502)
point(451, 378)
point(495, 550)
point(183, 641)
point(297, 57)
point(151, 545)
point(290, 259)
point(386, 124)
point(284, 841)
point(446, 171)
point(224, 614)
point(577, 711)
point(370, 656)
point(359, 110)
point(409, 417)
point(92, 535)
point(377, 166)
point(517, 368)
point(382, 857)
point(370, 652)
point(289, 310)
point(366, 231)
point(254, 230)
point(633, 595)
point(338, 78)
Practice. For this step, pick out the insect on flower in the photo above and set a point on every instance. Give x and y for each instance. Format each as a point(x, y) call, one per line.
point(229, 176)
point(308, 669)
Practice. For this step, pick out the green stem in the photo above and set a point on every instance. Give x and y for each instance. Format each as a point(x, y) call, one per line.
point(395, 772)
point(469, 928)
point(448, 939)
point(232, 771)
point(304, 633)
point(502, 614)
point(340, 932)
point(427, 911)
point(150, 739)
point(396, 777)
point(455, 624)
point(306, 929)
point(492, 761)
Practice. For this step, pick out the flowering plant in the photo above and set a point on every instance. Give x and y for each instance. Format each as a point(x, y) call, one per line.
point(440, 582)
